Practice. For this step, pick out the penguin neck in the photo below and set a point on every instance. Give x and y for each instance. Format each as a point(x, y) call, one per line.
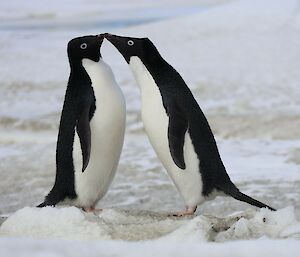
point(153, 60)
point(78, 72)
point(145, 80)
point(102, 78)
point(146, 70)
point(151, 65)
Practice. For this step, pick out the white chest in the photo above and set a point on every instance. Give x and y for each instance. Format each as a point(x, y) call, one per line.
point(107, 126)
point(155, 119)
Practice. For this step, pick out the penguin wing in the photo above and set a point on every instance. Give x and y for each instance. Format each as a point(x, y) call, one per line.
point(84, 131)
point(178, 125)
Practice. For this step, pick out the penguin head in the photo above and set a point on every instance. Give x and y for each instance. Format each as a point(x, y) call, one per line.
point(85, 47)
point(131, 46)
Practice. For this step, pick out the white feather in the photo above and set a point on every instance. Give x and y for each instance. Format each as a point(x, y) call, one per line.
point(155, 119)
point(107, 136)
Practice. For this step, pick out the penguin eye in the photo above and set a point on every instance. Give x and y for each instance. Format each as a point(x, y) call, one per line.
point(83, 46)
point(130, 43)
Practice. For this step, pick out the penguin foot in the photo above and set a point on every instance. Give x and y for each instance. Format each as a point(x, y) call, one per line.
point(91, 209)
point(187, 212)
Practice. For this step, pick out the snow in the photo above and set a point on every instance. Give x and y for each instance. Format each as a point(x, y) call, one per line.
point(73, 224)
point(50, 222)
point(158, 232)
point(259, 248)
point(240, 59)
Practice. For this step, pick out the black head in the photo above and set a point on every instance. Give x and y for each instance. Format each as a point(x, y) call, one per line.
point(131, 46)
point(85, 47)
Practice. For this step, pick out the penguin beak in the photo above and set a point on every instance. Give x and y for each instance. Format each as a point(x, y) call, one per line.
point(121, 44)
point(108, 35)
point(100, 37)
point(115, 40)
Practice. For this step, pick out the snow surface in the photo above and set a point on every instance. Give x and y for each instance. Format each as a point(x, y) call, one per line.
point(240, 58)
point(157, 231)
point(74, 224)
point(260, 248)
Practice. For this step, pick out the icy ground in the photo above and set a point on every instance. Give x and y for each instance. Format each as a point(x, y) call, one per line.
point(113, 224)
point(109, 233)
point(240, 58)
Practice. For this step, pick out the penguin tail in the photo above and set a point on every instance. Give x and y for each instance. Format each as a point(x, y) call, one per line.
point(41, 205)
point(54, 197)
point(47, 203)
point(233, 191)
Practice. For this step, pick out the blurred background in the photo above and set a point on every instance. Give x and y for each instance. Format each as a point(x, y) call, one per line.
point(240, 58)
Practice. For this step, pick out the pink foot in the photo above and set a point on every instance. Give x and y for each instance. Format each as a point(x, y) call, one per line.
point(187, 212)
point(91, 209)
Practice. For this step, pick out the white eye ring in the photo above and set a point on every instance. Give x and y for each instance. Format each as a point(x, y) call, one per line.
point(83, 46)
point(130, 43)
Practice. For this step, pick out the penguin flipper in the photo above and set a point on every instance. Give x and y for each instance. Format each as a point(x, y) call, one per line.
point(84, 132)
point(178, 125)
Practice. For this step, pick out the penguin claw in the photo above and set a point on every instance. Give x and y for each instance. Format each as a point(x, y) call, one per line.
point(91, 209)
point(189, 211)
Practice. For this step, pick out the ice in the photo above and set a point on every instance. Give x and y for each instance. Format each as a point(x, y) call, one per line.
point(73, 224)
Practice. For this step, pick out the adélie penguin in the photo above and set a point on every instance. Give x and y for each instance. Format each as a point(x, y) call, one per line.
point(177, 128)
point(91, 130)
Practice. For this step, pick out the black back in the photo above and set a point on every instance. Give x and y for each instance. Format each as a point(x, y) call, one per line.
point(78, 109)
point(186, 115)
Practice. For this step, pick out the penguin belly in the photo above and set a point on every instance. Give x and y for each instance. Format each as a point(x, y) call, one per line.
point(107, 136)
point(155, 119)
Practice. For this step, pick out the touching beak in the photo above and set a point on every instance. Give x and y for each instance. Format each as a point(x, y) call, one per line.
point(100, 37)
point(119, 43)
point(115, 40)
point(107, 35)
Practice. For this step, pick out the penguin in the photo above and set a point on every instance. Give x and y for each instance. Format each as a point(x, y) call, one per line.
point(177, 128)
point(91, 130)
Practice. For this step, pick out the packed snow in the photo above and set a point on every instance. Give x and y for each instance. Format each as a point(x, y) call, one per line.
point(154, 231)
point(262, 247)
point(240, 58)
point(74, 224)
